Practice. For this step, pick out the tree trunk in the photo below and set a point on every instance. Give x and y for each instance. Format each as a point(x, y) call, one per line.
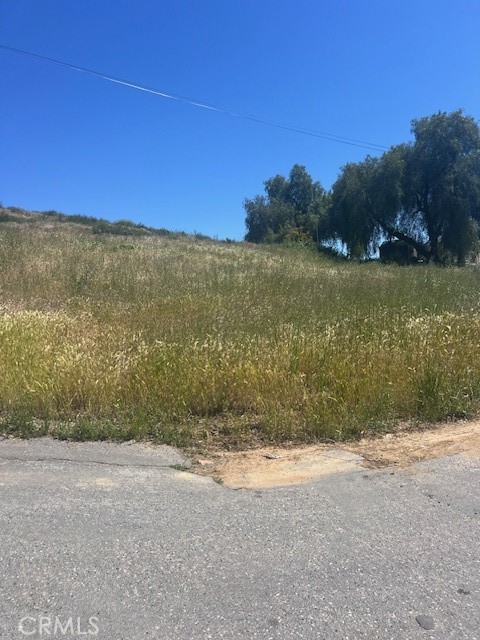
point(420, 248)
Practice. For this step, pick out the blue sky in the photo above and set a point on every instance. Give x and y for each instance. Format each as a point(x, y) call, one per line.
point(79, 144)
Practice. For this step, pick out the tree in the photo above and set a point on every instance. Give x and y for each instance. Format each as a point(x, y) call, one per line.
point(425, 193)
point(351, 215)
point(294, 204)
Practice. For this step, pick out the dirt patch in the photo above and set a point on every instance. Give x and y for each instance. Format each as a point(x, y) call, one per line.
point(407, 448)
point(275, 466)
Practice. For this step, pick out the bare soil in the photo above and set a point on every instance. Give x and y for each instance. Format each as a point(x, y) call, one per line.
point(280, 466)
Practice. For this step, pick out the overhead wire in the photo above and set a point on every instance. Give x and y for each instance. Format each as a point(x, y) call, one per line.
point(203, 105)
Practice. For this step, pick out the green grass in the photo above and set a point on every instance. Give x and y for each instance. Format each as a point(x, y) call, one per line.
point(187, 341)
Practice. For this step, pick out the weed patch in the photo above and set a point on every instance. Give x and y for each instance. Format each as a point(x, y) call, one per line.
point(186, 341)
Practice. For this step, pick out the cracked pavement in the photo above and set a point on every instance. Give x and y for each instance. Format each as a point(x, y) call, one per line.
point(114, 533)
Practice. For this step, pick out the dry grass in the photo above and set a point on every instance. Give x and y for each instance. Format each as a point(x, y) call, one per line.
point(188, 341)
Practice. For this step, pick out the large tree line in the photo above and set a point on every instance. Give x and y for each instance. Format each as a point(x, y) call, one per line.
point(424, 193)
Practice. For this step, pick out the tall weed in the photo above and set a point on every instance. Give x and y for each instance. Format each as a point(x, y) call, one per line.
point(153, 337)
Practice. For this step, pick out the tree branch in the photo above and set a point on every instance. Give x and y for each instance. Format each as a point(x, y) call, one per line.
point(391, 231)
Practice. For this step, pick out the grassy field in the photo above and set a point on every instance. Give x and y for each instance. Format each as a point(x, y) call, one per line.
point(194, 342)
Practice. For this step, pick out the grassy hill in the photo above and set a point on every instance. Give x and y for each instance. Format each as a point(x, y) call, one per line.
point(129, 332)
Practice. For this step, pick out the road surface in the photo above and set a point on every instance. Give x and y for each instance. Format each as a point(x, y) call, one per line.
point(109, 541)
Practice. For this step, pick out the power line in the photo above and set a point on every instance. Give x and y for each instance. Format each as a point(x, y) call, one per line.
point(204, 105)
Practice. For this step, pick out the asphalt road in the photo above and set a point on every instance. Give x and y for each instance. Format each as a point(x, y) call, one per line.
point(109, 541)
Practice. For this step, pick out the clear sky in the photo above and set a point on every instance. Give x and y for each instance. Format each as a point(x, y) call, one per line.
point(355, 68)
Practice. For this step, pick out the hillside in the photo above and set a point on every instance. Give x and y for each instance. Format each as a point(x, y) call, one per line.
point(86, 224)
point(189, 341)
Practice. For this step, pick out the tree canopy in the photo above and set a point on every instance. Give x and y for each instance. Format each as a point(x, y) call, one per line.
point(291, 208)
point(425, 193)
